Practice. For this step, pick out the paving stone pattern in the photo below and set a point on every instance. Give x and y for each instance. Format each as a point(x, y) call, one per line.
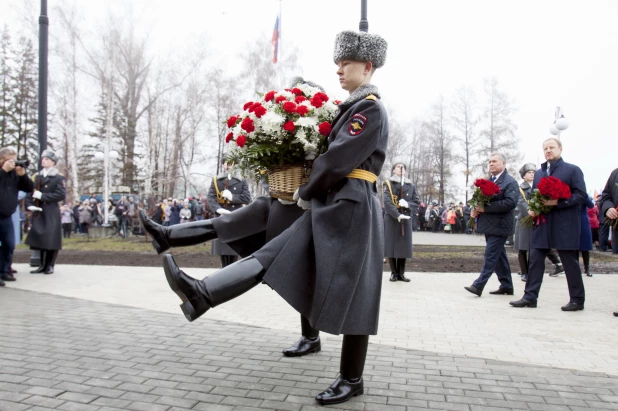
point(59, 353)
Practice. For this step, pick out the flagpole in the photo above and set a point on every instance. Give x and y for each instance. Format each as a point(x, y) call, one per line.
point(280, 57)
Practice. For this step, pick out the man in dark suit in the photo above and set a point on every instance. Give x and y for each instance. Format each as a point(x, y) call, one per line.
point(560, 230)
point(608, 208)
point(497, 221)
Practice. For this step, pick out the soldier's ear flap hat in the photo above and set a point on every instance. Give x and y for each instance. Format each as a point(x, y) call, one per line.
point(360, 46)
point(225, 157)
point(51, 155)
point(525, 168)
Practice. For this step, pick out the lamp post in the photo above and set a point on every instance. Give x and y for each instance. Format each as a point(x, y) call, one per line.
point(364, 24)
point(560, 123)
point(106, 156)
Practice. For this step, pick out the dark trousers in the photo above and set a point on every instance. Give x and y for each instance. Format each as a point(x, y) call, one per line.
point(228, 259)
point(66, 229)
point(573, 273)
point(603, 236)
point(495, 261)
point(7, 238)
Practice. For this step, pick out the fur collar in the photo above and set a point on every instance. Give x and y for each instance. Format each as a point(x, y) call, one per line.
point(396, 179)
point(51, 173)
point(525, 185)
point(224, 174)
point(361, 93)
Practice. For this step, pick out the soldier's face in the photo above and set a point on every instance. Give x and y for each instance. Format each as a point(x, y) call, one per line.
point(46, 162)
point(529, 176)
point(399, 170)
point(353, 74)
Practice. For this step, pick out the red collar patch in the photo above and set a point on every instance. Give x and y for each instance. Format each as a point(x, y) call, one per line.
point(357, 124)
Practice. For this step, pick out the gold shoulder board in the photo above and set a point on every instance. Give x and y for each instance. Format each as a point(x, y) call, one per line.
point(371, 97)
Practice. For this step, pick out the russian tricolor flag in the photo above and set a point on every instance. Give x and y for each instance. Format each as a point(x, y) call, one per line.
point(276, 37)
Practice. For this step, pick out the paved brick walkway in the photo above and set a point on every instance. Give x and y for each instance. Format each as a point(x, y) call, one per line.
point(72, 354)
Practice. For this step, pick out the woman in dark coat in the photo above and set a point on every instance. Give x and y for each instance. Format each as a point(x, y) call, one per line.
point(315, 264)
point(585, 237)
point(400, 203)
point(175, 213)
point(45, 231)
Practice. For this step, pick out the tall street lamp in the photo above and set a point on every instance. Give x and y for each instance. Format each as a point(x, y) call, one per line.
point(560, 123)
point(106, 156)
point(364, 24)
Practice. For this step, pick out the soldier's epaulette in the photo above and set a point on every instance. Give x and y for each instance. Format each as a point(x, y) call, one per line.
point(371, 97)
point(34, 176)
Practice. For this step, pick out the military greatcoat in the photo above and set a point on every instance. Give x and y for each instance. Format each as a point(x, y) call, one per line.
point(522, 234)
point(328, 264)
point(240, 197)
point(395, 244)
point(45, 231)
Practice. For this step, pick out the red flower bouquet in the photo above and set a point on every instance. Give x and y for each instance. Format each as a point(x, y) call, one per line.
point(282, 127)
point(484, 191)
point(549, 188)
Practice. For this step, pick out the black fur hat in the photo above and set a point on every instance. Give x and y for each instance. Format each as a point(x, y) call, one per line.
point(360, 46)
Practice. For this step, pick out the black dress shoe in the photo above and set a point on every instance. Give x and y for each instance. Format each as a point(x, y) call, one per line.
point(194, 303)
point(2, 285)
point(13, 271)
point(38, 270)
point(8, 277)
point(587, 272)
point(502, 291)
point(179, 235)
point(393, 277)
point(523, 303)
point(402, 277)
point(558, 269)
point(340, 391)
point(572, 307)
point(524, 277)
point(49, 270)
point(303, 346)
point(615, 313)
point(474, 290)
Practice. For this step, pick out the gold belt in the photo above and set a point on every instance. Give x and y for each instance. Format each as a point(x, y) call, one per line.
point(363, 175)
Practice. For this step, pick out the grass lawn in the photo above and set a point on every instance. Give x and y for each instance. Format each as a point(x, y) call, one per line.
point(132, 245)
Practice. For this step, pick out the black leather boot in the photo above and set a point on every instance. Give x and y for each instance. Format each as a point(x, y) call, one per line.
point(42, 267)
point(349, 383)
point(392, 262)
point(401, 270)
point(50, 261)
point(228, 283)
point(309, 341)
point(179, 235)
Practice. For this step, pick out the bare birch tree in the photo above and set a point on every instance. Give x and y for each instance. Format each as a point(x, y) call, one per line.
point(463, 120)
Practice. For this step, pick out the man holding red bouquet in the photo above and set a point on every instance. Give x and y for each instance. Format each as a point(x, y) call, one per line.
point(559, 228)
point(496, 219)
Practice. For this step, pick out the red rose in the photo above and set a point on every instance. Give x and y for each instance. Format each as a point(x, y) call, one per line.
point(247, 105)
point(297, 91)
point(337, 102)
point(302, 110)
point(269, 96)
point(289, 126)
point(241, 140)
point(325, 128)
point(289, 107)
point(229, 137)
point(321, 96)
point(300, 99)
point(259, 111)
point(316, 101)
point(247, 125)
point(280, 99)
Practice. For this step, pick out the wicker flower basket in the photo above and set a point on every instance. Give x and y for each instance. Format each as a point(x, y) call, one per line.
point(285, 180)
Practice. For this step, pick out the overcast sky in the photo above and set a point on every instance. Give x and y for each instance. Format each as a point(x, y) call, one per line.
point(544, 53)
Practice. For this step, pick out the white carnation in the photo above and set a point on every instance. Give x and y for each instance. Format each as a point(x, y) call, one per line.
point(271, 122)
point(306, 122)
point(287, 94)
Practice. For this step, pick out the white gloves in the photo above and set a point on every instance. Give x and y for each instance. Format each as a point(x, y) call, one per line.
point(37, 194)
point(33, 208)
point(403, 203)
point(223, 211)
point(227, 194)
point(305, 205)
point(402, 217)
point(286, 202)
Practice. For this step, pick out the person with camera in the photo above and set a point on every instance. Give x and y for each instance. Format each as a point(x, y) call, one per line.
point(13, 178)
point(45, 231)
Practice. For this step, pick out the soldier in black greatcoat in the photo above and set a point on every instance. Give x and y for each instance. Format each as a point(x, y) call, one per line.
point(315, 264)
point(227, 193)
point(45, 231)
point(400, 204)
